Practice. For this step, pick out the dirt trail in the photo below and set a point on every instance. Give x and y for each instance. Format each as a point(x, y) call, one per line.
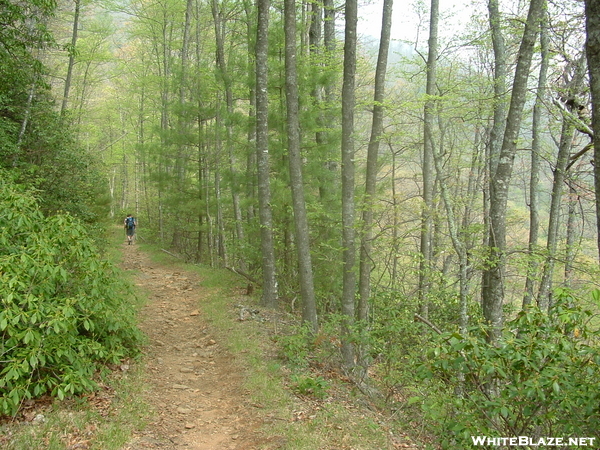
point(194, 386)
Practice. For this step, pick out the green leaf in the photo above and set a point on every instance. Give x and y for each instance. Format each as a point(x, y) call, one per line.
point(556, 387)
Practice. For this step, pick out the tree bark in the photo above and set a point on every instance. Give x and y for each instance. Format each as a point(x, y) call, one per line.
point(364, 285)
point(592, 14)
point(493, 282)
point(307, 290)
point(71, 65)
point(348, 210)
point(269, 294)
point(534, 178)
point(560, 171)
point(426, 250)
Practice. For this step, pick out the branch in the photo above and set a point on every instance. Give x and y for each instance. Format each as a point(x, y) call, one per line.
point(579, 124)
point(172, 254)
point(428, 323)
point(245, 275)
point(579, 154)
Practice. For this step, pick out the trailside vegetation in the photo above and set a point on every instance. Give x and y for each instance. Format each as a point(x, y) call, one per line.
point(65, 313)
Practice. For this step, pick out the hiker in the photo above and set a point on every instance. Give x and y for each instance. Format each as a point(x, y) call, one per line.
point(130, 223)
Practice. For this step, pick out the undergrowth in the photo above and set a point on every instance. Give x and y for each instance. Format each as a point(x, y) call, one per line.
point(65, 311)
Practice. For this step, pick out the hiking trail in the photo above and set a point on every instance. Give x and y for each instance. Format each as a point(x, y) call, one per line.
point(194, 386)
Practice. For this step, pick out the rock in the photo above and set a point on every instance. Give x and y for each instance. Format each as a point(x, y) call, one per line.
point(189, 426)
point(186, 370)
point(182, 410)
point(195, 313)
point(180, 386)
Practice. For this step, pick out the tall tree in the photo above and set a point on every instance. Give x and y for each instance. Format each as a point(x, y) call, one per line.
point(72, 53)
point(426, 250)
point(536, 147)
point(269, 295)
point(592, 22)
point(227, 81)
point(307, 289)
point(572, 90)
point(348, 209)
point(493, 275)
point(366, 245)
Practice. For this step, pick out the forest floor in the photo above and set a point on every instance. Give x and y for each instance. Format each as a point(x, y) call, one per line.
point(194, 386)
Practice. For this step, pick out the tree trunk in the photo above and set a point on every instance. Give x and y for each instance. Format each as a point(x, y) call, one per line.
point(348, 210)
point(500, 88)
point(534, 179)
point(425, 263)
point(269, 295)
point(65, 100)
point(493, 283)
point(571, 241)
point(364, 285)
point(592, 14)
point(227, 83)
point(562, 160)
point(307, 289)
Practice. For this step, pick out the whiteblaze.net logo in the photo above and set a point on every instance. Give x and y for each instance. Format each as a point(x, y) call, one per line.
point(526, 441)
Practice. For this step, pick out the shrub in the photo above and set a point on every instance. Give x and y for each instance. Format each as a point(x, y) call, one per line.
point(540, 380)
point(64, 310)
point(316, 387)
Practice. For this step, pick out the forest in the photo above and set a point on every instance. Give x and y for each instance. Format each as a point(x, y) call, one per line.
point(425, 201)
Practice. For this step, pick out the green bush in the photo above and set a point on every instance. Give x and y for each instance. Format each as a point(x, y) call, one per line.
point(541, 379)
point(316, 387)
point(64, 312)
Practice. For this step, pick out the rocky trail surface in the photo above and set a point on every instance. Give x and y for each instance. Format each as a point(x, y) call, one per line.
point(194, 387)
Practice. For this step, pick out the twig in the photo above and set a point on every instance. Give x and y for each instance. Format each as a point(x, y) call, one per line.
point(427, 322)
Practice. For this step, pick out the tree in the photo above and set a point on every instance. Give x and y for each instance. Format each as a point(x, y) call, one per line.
point(574, 83)
point(493, 275)
point(426, 251)
point(592, 15)
point(348, 173)
point(72, 52)
point(307, 289)
point(269, 296)
point(366, 245)
point(536, 133)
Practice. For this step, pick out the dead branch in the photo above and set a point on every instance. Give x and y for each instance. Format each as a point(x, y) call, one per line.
point(245, 275)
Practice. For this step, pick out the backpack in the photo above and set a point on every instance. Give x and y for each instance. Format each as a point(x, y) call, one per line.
point(130, 222)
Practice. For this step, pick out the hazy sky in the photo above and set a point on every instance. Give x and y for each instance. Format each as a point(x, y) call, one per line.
point(405, 20)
